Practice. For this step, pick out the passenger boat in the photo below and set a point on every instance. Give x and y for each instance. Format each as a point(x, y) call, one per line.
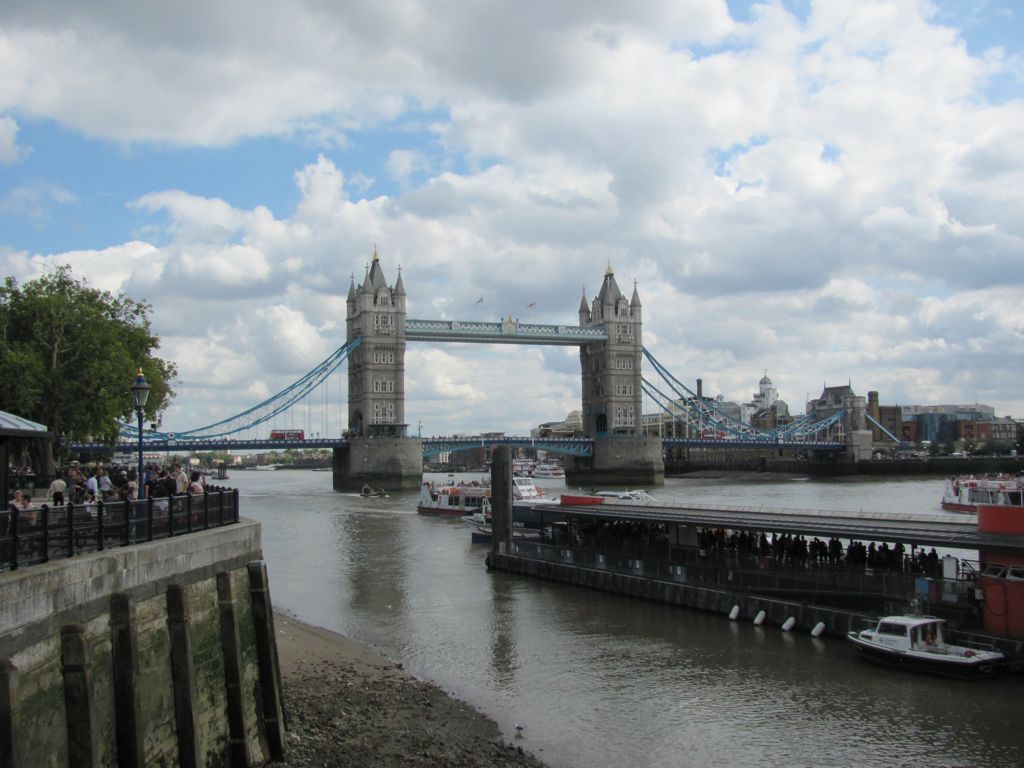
point(453, 500)
point(464, 499)
point(965, 492)
point(548, 470)
point(917, 643)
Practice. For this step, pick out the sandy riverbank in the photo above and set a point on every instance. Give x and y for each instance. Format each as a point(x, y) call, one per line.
point(348, 705)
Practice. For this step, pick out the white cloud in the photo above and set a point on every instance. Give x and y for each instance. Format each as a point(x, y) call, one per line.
point(10, 151)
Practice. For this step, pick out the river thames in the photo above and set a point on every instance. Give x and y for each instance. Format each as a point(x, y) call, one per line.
point(604, 680)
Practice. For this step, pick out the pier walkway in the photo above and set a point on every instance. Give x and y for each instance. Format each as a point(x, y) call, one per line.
point(948, 530)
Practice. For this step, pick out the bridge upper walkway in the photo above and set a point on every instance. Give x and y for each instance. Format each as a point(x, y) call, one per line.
point(505, 332)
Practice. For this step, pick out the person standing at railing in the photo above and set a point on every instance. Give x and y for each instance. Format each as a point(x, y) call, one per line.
point(56, 491)
point(92, 485)
point(180, 480)
point(105, 487)
point(130, 490)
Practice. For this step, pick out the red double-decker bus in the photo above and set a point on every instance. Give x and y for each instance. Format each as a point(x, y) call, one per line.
point(287, 434)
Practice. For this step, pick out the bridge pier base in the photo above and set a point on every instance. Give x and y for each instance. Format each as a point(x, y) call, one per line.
point(393, 464)
point(622, 460)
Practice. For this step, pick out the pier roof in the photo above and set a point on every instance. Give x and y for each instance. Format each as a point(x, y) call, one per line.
point(956, 531)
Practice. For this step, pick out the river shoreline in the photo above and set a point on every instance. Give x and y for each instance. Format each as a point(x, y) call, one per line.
point(346, 704)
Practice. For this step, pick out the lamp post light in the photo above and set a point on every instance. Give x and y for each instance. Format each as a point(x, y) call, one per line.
point(140, 393)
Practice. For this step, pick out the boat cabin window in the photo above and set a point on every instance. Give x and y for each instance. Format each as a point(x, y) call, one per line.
point(995, 571)
point(1016, 572)
point(889, 628)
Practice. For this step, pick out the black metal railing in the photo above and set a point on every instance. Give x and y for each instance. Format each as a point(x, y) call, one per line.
point(29, 537)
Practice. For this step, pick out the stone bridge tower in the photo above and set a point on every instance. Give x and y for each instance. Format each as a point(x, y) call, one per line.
point(376, 369)
point(612, 395)
point(379, 453)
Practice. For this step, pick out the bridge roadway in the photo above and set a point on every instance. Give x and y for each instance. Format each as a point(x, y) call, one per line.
point(433, 446)
point(948, 530)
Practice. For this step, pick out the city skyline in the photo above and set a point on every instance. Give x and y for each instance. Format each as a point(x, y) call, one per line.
point(826, 191)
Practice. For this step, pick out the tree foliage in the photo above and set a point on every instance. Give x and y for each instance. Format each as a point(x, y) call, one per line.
point(70, 353)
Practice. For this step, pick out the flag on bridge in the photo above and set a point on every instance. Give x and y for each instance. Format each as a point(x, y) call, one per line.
point(531, 305)
point(479, 301)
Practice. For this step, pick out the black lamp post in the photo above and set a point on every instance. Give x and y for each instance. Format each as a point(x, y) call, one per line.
point(140, 394)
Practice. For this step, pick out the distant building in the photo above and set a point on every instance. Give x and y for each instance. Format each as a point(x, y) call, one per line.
point(765, 411)
point(571, 426)
point(888, 418)
point(831, 401)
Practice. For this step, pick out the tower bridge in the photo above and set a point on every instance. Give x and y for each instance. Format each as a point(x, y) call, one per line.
point(614, 449)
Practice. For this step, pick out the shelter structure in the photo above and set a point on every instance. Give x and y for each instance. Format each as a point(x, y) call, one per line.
point(14, 429)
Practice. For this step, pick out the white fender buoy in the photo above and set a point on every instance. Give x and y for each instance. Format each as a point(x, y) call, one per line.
point(759, 619)
point(734, 613)
point(819, 629)
point(788, 625)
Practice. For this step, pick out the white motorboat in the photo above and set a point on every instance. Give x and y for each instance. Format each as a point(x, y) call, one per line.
point(918, 643)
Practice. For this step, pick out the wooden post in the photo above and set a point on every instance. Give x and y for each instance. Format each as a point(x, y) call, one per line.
point(266, 649)
point(501, 496)
point(125, 652)
point(229, 643)
point(182, 677)
point(8, 697)
point(75, 660)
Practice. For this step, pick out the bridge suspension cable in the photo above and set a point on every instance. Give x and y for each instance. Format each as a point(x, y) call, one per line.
point(698, 411)
point(693, 411)
point(264, 411)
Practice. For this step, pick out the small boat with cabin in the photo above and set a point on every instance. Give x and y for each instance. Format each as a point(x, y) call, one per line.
point(918, 643)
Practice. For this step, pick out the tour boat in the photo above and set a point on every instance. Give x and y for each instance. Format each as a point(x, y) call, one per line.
point(965, 492)
point(524, 489)
point(453, 500)
point(548, 470)
point(917, 643)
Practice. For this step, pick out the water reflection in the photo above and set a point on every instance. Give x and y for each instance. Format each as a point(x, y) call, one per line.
point(600, 679)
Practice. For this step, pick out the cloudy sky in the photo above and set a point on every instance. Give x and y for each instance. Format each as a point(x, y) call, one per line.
point(830, 191)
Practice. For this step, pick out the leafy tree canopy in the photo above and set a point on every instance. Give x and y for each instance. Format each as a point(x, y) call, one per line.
point(70, 353)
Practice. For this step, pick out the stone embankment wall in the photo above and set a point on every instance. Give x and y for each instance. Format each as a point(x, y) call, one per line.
point(159, 654)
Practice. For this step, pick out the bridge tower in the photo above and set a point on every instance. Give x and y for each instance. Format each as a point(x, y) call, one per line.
point(379, 453)
point(611, 369)
point(612, 394)
point(376, 369)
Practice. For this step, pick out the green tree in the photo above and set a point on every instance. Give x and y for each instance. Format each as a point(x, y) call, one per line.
point(69, 355)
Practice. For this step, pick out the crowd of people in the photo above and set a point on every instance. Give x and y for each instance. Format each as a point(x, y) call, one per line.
point(76, 484)
point(783, 550)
